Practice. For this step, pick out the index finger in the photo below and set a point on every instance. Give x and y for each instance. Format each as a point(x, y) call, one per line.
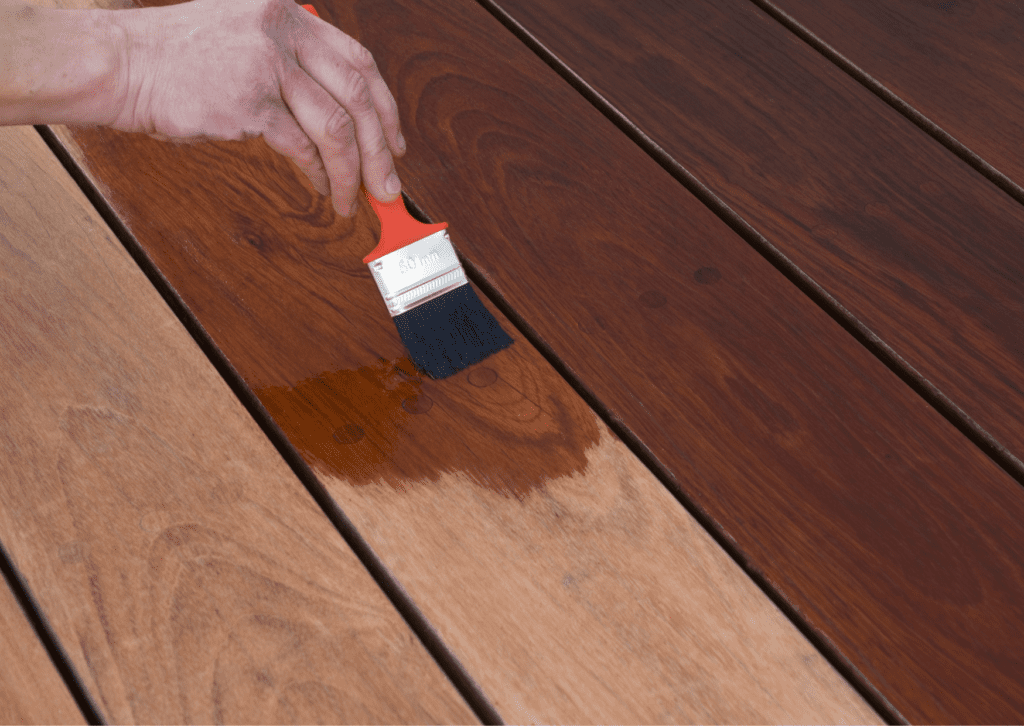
point(362, 60)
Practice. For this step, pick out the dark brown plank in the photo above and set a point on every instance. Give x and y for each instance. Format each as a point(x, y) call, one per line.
point(916, 246)
point(957, 62)
point(892, 535)
point(185, 570)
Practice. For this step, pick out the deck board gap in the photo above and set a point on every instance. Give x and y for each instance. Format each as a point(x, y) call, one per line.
point(49, 640)
point(951, 143)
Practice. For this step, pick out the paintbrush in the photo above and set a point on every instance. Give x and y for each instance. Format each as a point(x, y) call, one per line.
point(439, 317)
point(441, 320)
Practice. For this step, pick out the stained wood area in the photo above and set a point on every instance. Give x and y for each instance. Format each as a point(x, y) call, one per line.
point(958, 62)
point(890, 533)
point(31, 689)
point(186, 571)
point(918, 247)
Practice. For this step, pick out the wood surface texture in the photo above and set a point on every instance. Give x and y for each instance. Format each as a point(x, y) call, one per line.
point(563, 575)
point(184, 568)
point(559, 570)
point(890, 533)
point(916, 245)
point(31, 689)
point(959, 62)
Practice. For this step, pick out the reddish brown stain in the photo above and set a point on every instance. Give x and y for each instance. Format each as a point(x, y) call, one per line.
point(481, 376)
point(877, 209)
point(652, 299)
point(824, 233)
point(417, 404)
point(386, 422)
point(348, 434)
point(707, 275)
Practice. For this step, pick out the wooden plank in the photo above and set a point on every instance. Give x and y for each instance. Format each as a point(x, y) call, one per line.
point(915, 245)
point(894, 537)
point(31, 689)
point(957, 62)
point(185, 569)
point(564, 576)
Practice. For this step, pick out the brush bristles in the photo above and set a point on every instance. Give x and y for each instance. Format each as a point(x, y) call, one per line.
point(450, 333)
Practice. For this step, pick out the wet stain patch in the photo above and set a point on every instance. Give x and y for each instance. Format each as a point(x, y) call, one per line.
point(348, 434)
point(386, 422)
point(417, 404)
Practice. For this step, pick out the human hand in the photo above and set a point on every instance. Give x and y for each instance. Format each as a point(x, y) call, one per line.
point(231, 69)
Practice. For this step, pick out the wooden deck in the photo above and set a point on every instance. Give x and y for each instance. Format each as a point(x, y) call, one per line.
point(755, 455)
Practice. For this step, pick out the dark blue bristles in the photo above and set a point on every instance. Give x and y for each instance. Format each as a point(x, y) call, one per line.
point(450, 333)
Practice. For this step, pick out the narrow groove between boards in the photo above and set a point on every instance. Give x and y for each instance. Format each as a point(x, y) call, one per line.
point(400, 599)
point(917, 118)
point(58, 656)
point(843, 317)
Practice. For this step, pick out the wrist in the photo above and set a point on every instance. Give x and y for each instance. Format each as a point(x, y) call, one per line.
point(61, 66)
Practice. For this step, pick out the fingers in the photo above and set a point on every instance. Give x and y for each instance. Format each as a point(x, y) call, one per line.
point(332, 129)
point(347, 50)
point(286, 137)
point(383, 101)
point(346, 70)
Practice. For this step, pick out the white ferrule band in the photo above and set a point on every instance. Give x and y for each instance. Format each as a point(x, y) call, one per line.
point(418, 272)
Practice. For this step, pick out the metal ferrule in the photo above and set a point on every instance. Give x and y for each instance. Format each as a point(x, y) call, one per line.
point(418, 272)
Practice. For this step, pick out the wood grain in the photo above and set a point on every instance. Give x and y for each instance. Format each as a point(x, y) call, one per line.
point(563, 575)
point(918, 247)
point(958, 62)
point(31, 689)
point(893, 536)
point(185, 569)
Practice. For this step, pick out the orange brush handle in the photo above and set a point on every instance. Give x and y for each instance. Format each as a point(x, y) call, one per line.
point(397, 227)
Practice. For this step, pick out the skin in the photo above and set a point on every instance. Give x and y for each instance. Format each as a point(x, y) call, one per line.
point(210, 69)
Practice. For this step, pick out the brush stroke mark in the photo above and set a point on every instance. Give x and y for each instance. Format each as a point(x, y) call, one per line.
point(388, 422)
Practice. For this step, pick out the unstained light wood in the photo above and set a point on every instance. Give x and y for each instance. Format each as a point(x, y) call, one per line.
point(893, 537)
point(184, 568)
point(568, 581)
point(31, 688)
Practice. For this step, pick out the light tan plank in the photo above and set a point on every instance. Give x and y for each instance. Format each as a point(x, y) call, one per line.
point(31, 689)
point(598, 598)
point(186, 571)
